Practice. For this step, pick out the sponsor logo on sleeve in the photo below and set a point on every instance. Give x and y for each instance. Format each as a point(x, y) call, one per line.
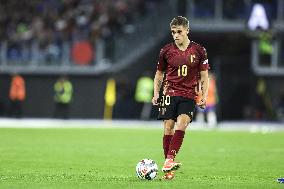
point(205, 61)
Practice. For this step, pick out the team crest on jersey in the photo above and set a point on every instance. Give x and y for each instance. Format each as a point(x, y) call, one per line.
point(191, 58)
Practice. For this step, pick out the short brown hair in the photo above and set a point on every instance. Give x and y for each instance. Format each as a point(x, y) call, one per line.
point(180, 21)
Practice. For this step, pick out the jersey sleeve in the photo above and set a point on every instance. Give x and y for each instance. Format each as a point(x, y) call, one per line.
point(161, 63)
point(203, 65)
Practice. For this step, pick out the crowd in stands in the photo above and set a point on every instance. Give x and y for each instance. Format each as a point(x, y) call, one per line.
point(52, 22)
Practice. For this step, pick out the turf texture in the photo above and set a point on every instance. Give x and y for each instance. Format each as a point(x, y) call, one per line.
point(106, 158)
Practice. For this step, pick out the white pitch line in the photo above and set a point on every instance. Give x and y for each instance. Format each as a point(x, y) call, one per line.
point(263, 127)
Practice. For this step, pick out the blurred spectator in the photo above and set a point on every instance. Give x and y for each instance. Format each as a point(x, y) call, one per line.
point(63, 92)
point(17, 95)
point(144, 93)
point(263, 103)
point(110, 98)
point(265, 48)
point(209, 113)
point(39, 29)
point(124, 107)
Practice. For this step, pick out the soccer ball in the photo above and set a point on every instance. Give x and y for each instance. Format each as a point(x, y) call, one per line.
point(146, 169)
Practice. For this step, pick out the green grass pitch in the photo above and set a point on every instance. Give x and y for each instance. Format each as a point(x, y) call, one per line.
point(106, 158)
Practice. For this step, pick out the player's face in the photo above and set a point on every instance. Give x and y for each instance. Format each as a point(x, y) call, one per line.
point(179, 34)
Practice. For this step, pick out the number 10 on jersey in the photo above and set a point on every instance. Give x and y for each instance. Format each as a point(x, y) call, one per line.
point(182, 70)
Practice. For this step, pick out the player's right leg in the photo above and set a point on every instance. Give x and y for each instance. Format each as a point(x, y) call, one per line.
point(168, 135)
point(185, 113)
point(176, 141)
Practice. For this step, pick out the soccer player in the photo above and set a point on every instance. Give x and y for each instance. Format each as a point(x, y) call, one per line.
point(181, 65)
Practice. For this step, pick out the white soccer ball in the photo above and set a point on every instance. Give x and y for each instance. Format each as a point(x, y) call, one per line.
point(146, 169)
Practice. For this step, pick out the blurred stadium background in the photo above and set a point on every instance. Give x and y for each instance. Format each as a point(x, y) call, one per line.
point(93, 41)
point(104, 47)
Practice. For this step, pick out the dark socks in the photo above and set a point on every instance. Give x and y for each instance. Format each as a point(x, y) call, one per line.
point(166, 143)
point(175, 144)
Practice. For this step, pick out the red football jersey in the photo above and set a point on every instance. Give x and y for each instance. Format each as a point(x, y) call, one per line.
point(182, 68)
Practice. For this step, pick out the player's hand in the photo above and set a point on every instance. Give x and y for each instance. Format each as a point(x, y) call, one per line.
point(155, 100)
point(201, 103)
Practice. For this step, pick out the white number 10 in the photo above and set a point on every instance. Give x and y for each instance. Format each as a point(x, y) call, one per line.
point(166, 100)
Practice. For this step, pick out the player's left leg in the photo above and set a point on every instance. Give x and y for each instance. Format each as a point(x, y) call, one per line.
point(167, 112)
point(168, 135)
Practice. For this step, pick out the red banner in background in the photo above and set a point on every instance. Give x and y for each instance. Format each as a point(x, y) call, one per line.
point(82, 52)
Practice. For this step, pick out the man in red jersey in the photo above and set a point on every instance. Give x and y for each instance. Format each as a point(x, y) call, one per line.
point(181, 66)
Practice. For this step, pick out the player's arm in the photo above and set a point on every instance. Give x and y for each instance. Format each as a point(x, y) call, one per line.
point(204, 83)
point(158, 80)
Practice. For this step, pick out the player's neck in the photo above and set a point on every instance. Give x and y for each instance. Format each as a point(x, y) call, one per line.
point(183, 46)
